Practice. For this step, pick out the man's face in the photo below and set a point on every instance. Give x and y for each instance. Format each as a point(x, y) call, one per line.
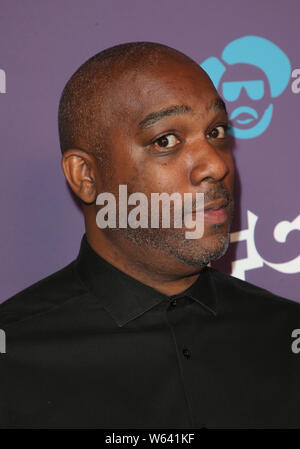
point(169, 136)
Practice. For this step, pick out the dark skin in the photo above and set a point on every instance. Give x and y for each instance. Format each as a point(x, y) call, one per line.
point(182, 149)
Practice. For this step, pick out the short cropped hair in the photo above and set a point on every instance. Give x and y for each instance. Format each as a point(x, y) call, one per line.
point(82, 116)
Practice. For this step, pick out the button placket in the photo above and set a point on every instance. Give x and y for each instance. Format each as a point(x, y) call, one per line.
point(173, 321)
point(187, 353)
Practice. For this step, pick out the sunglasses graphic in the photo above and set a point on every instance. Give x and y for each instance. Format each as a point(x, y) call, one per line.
point(232, 89)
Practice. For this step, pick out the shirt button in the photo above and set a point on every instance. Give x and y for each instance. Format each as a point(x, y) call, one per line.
point(173, 303)
point(187, 353)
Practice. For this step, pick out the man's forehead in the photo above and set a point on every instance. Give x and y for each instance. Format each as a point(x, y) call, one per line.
point(179, 109)
point(140, 93)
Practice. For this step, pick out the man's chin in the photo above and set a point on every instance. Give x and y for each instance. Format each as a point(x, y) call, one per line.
point(194, 252)
point(201, 252)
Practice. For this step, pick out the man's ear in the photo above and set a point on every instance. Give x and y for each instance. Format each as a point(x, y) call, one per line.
point(80, 169)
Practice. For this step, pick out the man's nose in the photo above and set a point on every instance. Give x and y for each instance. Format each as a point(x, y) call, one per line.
point(208, 163)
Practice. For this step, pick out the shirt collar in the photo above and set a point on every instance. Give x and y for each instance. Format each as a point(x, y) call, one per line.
point(126, 298)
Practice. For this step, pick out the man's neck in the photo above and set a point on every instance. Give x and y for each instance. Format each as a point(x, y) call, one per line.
point(170, 276)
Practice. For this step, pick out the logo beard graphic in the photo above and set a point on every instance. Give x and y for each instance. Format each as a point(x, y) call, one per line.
point(257, 129)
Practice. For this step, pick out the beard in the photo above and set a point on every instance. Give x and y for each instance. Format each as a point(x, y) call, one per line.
point(193, 252)
point(172, 241)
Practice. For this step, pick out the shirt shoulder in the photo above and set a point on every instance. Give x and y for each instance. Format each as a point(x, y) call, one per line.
point(240, 293)
point(42, 296)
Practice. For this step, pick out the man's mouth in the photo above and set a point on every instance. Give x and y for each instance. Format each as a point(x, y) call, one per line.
point(214, 212)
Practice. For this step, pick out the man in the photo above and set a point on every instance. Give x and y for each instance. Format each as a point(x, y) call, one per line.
point(139, 331)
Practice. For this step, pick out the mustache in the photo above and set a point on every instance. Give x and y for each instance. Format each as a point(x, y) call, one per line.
point(216, 193)
point(213, 195)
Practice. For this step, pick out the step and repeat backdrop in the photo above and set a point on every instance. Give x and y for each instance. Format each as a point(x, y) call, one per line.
point(251, 52)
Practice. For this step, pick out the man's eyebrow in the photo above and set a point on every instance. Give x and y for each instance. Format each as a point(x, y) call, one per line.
point(154, 117)
point(218, 104)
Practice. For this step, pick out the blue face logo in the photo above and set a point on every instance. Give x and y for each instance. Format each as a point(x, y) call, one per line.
point(252, 71)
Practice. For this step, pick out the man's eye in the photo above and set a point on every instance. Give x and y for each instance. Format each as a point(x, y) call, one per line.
point(167, 141)
point(219, 132)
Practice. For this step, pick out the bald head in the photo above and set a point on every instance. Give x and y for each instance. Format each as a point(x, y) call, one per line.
point(88, 108)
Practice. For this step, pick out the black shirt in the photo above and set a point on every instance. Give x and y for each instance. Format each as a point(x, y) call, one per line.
point(91, 347)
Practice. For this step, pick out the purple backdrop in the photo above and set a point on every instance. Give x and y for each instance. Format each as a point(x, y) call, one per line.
point(44, 42)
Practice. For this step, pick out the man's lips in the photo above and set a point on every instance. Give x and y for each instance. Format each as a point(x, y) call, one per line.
point(216, 211)
point(214, 205)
